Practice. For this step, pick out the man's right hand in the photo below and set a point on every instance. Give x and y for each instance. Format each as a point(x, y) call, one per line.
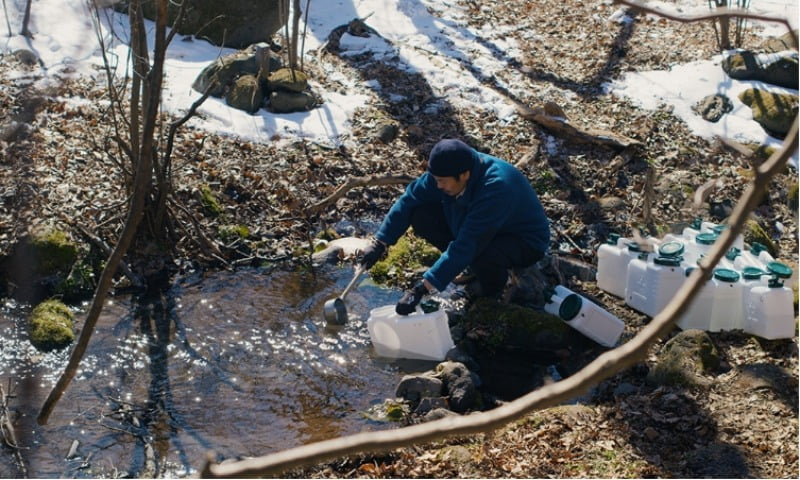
point(372, 253)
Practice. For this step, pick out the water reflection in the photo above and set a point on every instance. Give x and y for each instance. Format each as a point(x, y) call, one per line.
point(241, 364)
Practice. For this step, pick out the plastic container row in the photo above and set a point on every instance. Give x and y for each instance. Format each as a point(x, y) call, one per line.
point(748, 290)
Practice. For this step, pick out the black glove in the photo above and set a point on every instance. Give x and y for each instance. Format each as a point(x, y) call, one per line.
point(411, 299)
point(372, 253)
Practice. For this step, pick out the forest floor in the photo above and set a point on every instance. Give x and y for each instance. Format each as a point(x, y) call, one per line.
point(59, 168)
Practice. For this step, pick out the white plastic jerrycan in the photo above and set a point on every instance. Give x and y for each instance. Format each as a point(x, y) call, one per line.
point(749, 258)
point(420, 336)
point(769, 310)
point(718, 304)
point(585, 316)
point(655, 283)
point(612, 264)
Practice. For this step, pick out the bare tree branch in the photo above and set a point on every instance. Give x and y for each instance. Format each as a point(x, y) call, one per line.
point(354, 182)
point(604, 366)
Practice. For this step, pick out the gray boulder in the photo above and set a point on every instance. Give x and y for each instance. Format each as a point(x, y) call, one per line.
point(232, 23)
point(287, 102)
point(773, 68)
point(223, 72)
point(778, 44)
point(413, 388)
point(460, 385)
point(245, 94)
point(713, 107)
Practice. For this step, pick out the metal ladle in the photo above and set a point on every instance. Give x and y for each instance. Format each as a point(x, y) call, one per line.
point(335, 310)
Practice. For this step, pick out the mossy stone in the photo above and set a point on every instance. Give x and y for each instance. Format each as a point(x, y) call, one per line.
point(407, 257)
point(229, 233)
point(50, 325)
point(508, 326)
point(53, 252)
point(209, 201)
point(773, 111)
point(245, 94)
point(287, 79)
point(753, 233)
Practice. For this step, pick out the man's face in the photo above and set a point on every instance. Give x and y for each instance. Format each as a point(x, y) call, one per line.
point(451, 185)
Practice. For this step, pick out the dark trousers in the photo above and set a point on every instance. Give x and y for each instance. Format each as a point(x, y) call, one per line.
point(496, 254)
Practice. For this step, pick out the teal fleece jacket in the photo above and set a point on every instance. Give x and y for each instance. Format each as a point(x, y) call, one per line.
point(498, 200)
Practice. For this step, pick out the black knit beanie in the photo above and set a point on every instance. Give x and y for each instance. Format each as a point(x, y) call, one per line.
point(450, 158)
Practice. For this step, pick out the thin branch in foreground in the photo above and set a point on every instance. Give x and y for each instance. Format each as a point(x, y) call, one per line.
point(603, 367)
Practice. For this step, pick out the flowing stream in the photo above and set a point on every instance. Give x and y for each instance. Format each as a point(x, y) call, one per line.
point(239, 364)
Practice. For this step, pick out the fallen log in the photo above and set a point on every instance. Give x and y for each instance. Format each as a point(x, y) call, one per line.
point(552, 118)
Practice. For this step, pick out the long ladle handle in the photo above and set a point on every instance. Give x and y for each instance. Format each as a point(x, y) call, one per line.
point(359, 270)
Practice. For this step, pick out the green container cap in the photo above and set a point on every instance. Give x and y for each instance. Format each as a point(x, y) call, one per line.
point(668, 261)
point(775, 282)
point(779, 270)
point(696, 223)
point(733, 253)
point(671, 249)
point(570, 306)
point(752, 273)
point(718, 228)
point(706, 238)
point(612, 238)
point(757, 248)
point(726, 275)
point(634, 247)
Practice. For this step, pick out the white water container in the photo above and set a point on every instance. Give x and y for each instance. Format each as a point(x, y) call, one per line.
point(585, 316)
point(699, 246)
point(656, 283)
point(718, 305)
point(421, 336)
point(692, 230)
point(738, 242)
point(749, 258)
point(727, 313)
point(698, 314)
point(765, 257)
point(612, 264)
point(769, 312)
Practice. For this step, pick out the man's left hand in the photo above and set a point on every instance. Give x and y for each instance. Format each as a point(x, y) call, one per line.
point(411, 299)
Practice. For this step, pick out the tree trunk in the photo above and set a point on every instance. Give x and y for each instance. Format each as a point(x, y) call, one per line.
point(25, 32)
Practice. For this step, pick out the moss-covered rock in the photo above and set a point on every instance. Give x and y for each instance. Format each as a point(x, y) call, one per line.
point(773, 111)
point(229, 233)
point(52, 252)
point(210, 202)
point(50, 325)
point(245, 94)
point(404, 261)
point(684, 359)
point(497, 326)
point(753, 233)
point(287, 79)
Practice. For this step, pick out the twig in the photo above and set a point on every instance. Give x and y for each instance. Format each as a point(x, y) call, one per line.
point(8, 433)
point(354, 182)
point(136, 280)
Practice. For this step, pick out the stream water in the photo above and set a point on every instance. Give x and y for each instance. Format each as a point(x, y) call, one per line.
point(240, 364)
